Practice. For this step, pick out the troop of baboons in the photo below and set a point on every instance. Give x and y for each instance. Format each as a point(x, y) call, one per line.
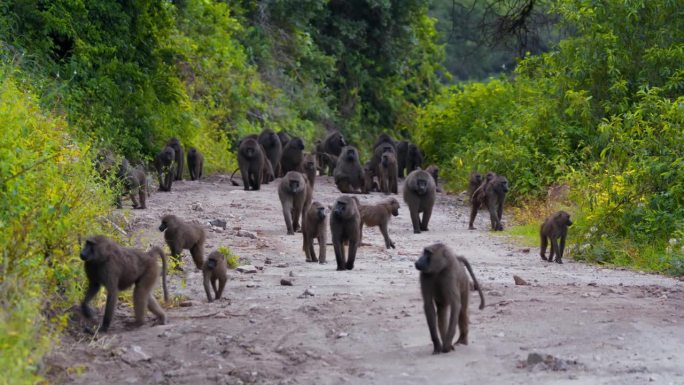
point(262, 158)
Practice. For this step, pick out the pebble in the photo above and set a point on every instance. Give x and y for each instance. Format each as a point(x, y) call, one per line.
point(286, 282)
point(307, 293)
point(247, 269)
point(342, 335)
point(519, 281)
point(246, 234)
point(495, 293)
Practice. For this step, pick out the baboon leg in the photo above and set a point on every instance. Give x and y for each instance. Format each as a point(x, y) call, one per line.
point(352, 255)
point(207, 287)
point(287, 213)
point(109, 308)
point(176, 254)
point(388, 242)
point(213, 284)
point(308, 244)
point(499, 212)
point(473, 214)
point(134, 199)
point(321, 249)
point(559, 253)
point(157, 310)
point(455, 310)
point(427, 213)
point(119, 202)
point(295, 218)
point(344, 187)
point(493, 215)
point(312, 252)
point(257, 180)
point(554, 248)
point(431, 318)
point(443, 325)
point(463, 321)
point(415, 219)
point(339, 254)
point(91, 292)
point(197, 252)
point(222, 285)
point(142, 193)
point(141, 295)
point(544, 244)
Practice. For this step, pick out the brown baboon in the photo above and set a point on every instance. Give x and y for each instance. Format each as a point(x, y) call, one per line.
point(402, 154)
point(414, 158)
point(292, 192)
point(348, 172)
point(195, 163)
point(284, 138)
point(345, 223)
point(474, 181)
point(178, 152)
point(384, 138)
point(434, 171)
point(214, 271)
point(309, 168)
point(134, 183)
point(388, 173)
point(329, 161)
point(163, 162)
point(379, 215)
point(444, 284)
point(334, 143)
point(251, 161)
point(273, 149)
point(554, 227)
point(117, 268)
point(313, 226)
point(181, 235)
point(368, 183)
point(293, 154)
point(491, 194)
point(381, 149)
point(419, 195)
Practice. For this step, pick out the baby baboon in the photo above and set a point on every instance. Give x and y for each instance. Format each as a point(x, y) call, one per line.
point(444, 284)
point(419, 195)
point(293, 155)
point(345, 223)
point(313, 226)
point(388, 173)
point(214, 271)
point(368, 183)
point(379, 215)
point(163, 162)
point(384, 138)
point(117, 268)
point(284, 138)
point(474, 181)
point(195, 163)
point(554, 227)
point(414, 158)
point(251, 162)
point(181, 235)
point(491, 194)
point(327, 161)
point(402, 154)
point(334, 143)
point(309, 166)
point(273, 149)
point(348, 172)
point(134, 183)
point(292, 192)
point(178, 152)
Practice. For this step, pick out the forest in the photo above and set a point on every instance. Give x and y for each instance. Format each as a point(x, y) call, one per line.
point(579, 96)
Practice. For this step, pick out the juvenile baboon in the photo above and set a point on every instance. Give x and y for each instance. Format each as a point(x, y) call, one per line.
point(163, 162)
point(474, 181)
point(292, 192)
point(328, 161)
point(214, 271)
point(381, 149)
point(292, 157)
point(402, 154)
point(414, 158)
point(345, 223)
point(334, 143)
point(379, 215)
point(251, 162)
point(348, 172)
point(273, 149)
point(313, 226)
point(134, 183)
point(195, 163)
point(178, 152)
point(388, 173)
point(284, 138)
point(309, 167)
point(384, 138)
point(419, 195)
point(491, 194)
point(554, 227)
point(434, 171)
point(117, 268)
point(444, 284)
point(369, 184)
point(182, 235)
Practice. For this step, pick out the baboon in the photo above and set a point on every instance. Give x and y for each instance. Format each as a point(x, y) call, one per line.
point(348, 172)
point(292, 192)
point(345, 222)
point(178, 152)
point(117, 268)
point(388, 173)
point(402, 154)
point(334, 143)
point(284, 138)
point(134, 183)
point(309, 167)
point(273, 149)
point(554, 227)
point(313, 226)
point(251, 162)
point(292, 157)
point(214, 271)
point(419, 195)
point(474, 181)
point(368, 183)
point(381, 149)
point(180, 235)
point(379, 215)
point(384, 138)
point(491, 194)
point(163, 162)
point(195, 163)
point(267, 171)
point(414, 158)
point(327, 161)
point(434, 171)
point(444, 284)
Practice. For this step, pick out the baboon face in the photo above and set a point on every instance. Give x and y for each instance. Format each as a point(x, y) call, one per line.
point(294, 185)
point(490, 176)
point(93, 248)
point(351, 154)
point(421, 186)
point(476, 177)
point(192, 151)
point(166, 221)
point(298, 143)
point(434, 171)
point(385, 159)
point(343, 207)
point(432, 261)
point(394, 205)
point(168, 155)
point(320, 210)
point(173, 142)
point(563, 218)
point(310, 163)
point(503, 183)
point(249, 147)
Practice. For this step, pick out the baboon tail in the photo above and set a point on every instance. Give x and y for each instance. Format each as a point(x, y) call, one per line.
point(234, 183)
point(475, 283)
point(165, 269)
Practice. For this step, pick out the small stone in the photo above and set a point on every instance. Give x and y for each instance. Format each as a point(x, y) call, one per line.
point(135, 354)
point(291, 274)
point(251, 284)
point(246, 234)
point(247, 269)
point(217, 229)
point(218, 223)
point(342, 335)
point(286, 282)
point(526, 250)
point(495, 293)
point(519, 281)
point(592, 284)
point(282, 265)
point(534, 358)
point(501, 334)
point(306, 293)
point(197, 206)
point(185, 304)
point(268, 261)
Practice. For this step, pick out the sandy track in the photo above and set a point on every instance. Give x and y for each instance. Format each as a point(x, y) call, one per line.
point(366, 326)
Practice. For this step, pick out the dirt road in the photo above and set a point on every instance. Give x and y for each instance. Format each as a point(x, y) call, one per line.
point(366, 326)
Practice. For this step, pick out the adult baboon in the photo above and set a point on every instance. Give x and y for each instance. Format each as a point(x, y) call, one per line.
point(388, 173)
point(117, 268)
point(284, 138)
point(345, 223)
point(251, 162)
point(178, 152)
point(163, 162)
point(214, 271)
point(381, 149)
point(180, 235)
point(195, 163)
point(292, 192)
point(334, 143)
point(419, 195)
point(491, 194)
point(474, 181)
point(554, 227)
point(414, 158)
point(313, 226)
point(293, 155)
point(134, 183)
point(444, 284)
point(402, 154)
point(384, 138)
point(309, 168)
point(273, 149)
point(348, 173)
point(369, 184)
point(379, 215)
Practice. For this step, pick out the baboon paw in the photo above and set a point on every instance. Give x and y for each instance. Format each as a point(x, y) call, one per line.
point(424, 228)
point(559, 261)
point(543, 257)
point(323, 262)
point(340, 268)
point(416, 231)
point(350, 267)
point(447, 348)
point(471, 228)
point(289, 232)
point(392, 245)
